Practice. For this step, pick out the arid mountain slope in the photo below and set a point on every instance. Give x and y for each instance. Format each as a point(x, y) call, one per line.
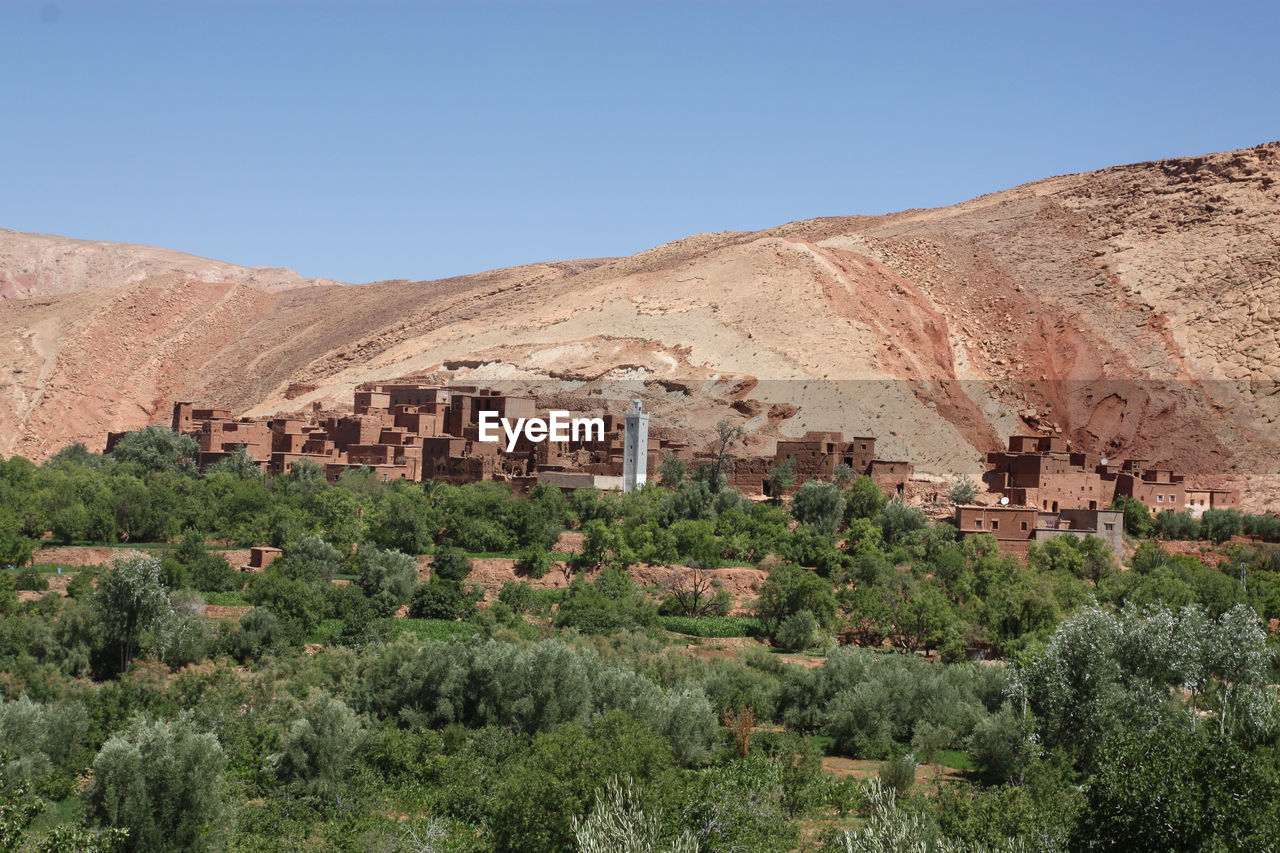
point(1131, 309)
point(46, 265)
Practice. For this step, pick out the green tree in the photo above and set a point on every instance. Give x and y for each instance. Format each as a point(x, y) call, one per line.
point(444, 599)
point(799, 774)
point(1137, 518)
point(1219, 525)
point(721, 467)
point(597, 541)
point(17, 811)
point(1177, 525)
point(865, 499)
point(157, 448)
point(15, 549)
point(161, 781)
point(790, 589)
point(320, 746)
point(898, 520)
point(310, 560)
point(240, 464)
point(536, 801)
point(963, 490)
point(1087, 558)
point(1171, 788)
point(193, 564)
point(618, 823)
point(305, 479)
point(819, 505)
point(130, 598)
point(406, 519)
point(533, 561)
point(387, 577)
point(450, 564)
point(299, 606)
point(674, 471)
point(782, 478)
point(797, 631)
point(8, 593)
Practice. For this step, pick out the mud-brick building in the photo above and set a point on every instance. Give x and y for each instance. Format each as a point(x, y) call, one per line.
point(1201, 499)
point(1041, 472)
point(220, 439)
point(1158, 488)
point(817, 456)
point(187, 418)
point(1016, 527)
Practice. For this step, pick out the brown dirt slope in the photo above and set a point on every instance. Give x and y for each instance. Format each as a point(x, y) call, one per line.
point(46, 265)
point(1130, 309)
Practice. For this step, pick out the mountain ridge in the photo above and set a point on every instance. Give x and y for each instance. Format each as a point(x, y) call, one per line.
point(1128, 309)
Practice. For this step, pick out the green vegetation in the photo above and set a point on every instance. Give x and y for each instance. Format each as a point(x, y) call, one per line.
point(1132, 708)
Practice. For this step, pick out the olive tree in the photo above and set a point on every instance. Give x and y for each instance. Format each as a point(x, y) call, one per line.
point(819, 505)
point(619, 823)
point(388, 577)
point(320, 745)
point(157, 448)
point(161, 781)
point(131, 598)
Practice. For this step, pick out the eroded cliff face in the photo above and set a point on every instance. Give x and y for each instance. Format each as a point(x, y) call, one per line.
point(1129, 309)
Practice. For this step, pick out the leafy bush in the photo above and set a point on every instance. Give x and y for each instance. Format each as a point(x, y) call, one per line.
point(260, 633)
point(444, 599)
point(30, 579)
point(605, 606)
point(192, 564)
point(1219, 525)
point(387, 577)
point(533, 561)
point(963, 490)
point(898, 774)
point(162, 782)
point(320, 746)
point(798, 631)
point(450, 564)
point(518, 596)
point(819, 505)
point(299, 605)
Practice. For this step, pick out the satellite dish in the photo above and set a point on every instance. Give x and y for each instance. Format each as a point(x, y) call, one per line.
point(1004, 501)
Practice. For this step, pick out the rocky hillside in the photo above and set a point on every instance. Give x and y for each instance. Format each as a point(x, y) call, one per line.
point(45, 265)
point(1130, 309)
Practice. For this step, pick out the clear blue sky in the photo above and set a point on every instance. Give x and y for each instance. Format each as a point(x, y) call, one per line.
point(372, 140)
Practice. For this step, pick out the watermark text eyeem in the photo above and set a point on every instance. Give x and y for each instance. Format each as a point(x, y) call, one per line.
point(558, 426)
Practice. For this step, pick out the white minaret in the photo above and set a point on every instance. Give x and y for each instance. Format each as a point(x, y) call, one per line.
point(635, 449)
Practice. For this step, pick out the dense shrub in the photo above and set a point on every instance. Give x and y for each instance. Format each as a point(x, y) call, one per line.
point(450, 564)
point(162, 782)
point(534, 562)
point(444, 599)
